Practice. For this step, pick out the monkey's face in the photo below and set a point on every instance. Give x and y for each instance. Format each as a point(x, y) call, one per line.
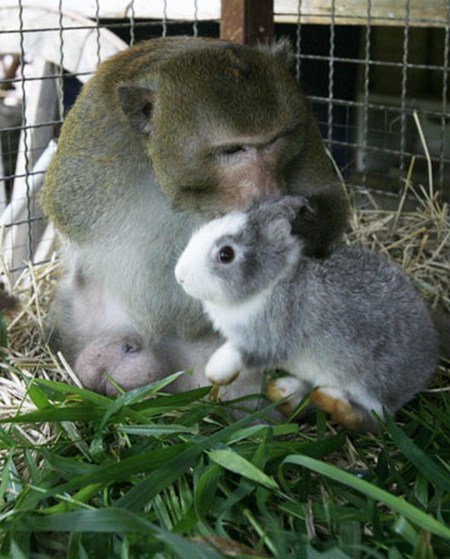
point(225, 125)
point(247, 168)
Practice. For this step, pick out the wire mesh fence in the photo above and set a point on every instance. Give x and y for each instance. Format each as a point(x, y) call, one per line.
point(379, 72)
point(375, 72)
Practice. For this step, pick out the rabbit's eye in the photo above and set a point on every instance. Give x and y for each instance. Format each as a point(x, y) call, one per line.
point(225, 255)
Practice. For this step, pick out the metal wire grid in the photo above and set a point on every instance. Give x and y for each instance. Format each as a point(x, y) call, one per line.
point(338, 135)
point(29, 222)
point(357, 138)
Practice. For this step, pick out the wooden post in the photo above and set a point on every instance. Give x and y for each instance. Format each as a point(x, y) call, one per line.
point(247, 21)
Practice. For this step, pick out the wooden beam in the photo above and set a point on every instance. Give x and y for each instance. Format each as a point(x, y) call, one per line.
point(247, 21)
point(422, 13)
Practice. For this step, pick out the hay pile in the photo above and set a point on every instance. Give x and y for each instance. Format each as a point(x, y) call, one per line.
point(417, 239)
point(28, 354)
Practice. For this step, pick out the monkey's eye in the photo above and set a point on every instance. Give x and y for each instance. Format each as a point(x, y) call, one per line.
point(225, 255)
point(231, 150)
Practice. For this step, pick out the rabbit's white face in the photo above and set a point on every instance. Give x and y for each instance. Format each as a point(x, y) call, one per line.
point(195, 269)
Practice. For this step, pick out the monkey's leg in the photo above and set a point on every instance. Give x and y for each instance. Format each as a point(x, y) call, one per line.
point(123, 361)
point(85, 310)
point(336, 403)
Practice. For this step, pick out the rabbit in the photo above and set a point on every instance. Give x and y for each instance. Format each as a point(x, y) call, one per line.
point(349, 327)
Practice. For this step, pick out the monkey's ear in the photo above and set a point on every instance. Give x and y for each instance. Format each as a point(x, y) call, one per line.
point(137, 103)
point(281, 50)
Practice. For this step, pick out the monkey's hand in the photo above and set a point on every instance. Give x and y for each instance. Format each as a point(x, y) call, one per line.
point(224, 365)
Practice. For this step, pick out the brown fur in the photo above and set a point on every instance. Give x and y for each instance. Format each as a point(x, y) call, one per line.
point(165, 135)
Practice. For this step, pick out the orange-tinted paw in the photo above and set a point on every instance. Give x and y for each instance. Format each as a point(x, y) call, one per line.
point(276, 391)
point(340, 411)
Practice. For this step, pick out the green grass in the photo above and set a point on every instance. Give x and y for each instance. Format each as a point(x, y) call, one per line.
point(155, 475)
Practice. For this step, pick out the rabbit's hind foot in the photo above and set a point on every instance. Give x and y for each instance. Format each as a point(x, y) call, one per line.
point(334, 402)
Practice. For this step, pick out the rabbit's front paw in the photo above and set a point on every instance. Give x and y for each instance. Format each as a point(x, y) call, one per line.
point(224, 365)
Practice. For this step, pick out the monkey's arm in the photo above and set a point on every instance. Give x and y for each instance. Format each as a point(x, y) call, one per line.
point(322, 222)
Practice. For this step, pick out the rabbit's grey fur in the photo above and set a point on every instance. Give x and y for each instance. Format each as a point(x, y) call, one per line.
point(350, 323)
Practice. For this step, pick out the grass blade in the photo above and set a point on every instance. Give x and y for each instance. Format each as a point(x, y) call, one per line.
point(144, 491)
point(427, 467)
point(115, 520)
point(416, 516)
point(235, 463)
point(155, 430)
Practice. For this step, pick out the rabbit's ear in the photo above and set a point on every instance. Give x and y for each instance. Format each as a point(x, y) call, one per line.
point(277, 217)
point(290, 208)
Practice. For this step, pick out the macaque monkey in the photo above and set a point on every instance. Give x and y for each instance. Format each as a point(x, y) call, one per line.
point(166, 135)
